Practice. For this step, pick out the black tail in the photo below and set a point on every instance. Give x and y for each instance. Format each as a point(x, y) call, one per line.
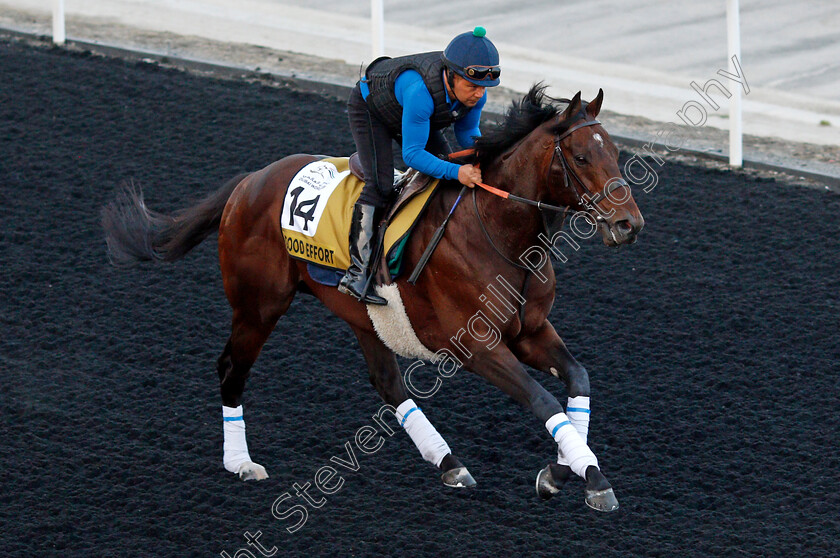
point(135, 233)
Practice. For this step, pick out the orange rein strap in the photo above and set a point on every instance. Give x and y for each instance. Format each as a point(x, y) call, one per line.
point(492, 190)
point(500, 193)
point(508, 195)
point(566, 169)
point(462, 153)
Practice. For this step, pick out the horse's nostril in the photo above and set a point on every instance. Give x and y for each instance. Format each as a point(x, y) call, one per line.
point(624, 227)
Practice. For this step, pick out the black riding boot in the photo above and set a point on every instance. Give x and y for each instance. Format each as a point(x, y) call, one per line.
point(362, 240)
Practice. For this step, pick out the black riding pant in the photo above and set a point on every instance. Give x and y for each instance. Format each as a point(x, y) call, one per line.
point(374, 142)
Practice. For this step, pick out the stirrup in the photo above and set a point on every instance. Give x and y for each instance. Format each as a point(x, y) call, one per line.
point(376, 300)
point(367, 298)
point(373, 298)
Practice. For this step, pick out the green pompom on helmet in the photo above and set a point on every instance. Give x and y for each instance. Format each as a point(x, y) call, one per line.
point(472, 56)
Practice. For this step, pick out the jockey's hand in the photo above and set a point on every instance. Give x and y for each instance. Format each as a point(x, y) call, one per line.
point(468, 175)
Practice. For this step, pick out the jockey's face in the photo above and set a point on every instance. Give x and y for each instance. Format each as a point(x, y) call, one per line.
point(468, 93)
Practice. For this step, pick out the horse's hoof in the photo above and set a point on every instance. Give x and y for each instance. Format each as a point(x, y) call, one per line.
point(551, 479)
point(251, 471)
point(545, 484)
point(599, 494)
point(601, 500)
point(458, 478)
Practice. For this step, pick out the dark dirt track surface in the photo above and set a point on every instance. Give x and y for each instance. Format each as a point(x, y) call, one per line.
point(711, 344)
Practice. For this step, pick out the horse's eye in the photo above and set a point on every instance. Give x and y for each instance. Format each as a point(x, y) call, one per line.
point(580, 160)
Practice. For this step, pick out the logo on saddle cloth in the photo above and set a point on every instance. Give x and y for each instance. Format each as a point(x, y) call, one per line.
point(318, 209)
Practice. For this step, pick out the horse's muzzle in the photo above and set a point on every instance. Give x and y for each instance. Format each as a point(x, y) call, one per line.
point(624, 231)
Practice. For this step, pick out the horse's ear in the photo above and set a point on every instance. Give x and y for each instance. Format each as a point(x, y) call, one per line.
point(573, 108)
point(594, 107)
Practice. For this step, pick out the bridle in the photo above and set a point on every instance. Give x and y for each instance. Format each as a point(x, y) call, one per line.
point(585, 199)
point(589, 204)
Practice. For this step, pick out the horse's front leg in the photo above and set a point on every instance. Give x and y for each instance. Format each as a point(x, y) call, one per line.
point(503, 369)
point(544, 350)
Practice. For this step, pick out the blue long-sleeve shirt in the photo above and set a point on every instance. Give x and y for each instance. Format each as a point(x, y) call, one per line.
point(418, 107)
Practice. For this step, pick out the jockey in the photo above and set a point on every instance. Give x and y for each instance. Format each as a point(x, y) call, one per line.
point(412, 99)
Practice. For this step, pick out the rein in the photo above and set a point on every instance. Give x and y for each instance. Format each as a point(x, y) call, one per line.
point(490, 240)
point(586, 199)
point(567, 170)
point(589, 202)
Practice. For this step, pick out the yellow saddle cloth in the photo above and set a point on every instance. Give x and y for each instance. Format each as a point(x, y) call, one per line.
point(318, 209)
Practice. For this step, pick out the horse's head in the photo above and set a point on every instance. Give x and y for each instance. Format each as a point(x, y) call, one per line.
point(584, 172)
point(564, 158)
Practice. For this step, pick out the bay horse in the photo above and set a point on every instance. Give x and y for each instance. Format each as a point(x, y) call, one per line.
point(543, 161)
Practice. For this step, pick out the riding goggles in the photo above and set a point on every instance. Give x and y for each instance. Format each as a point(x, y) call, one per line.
point(483, 72)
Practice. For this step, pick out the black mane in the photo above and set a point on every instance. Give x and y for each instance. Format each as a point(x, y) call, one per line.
point(521, 119)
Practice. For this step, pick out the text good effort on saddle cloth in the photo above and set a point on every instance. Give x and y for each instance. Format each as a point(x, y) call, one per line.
point(412, 99)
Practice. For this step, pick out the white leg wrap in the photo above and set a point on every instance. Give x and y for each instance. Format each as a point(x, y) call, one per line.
point(577, 409)
point(561, 459)
point(236, 448)
point(432, 446)
point(570, 445)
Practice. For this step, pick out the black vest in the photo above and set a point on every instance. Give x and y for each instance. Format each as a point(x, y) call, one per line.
point(382, 102)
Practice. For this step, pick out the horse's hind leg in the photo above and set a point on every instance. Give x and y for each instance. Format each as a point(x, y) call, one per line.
point(257, 305)
point(386, 378)
point(234, 365)
point(260, 282)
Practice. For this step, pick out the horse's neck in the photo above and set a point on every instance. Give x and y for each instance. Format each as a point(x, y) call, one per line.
point(518, 222)
point(513, 226)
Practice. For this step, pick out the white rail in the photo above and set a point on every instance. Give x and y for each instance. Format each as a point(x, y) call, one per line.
point(58, 22)
point(377, 19)
point(733, 35)
point(377, 27)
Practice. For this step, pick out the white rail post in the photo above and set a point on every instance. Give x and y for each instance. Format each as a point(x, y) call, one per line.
point(377, 20)
point(58, 22)
point(733, 25)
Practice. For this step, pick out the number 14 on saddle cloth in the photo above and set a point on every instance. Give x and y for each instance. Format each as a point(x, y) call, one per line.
point(317, 211)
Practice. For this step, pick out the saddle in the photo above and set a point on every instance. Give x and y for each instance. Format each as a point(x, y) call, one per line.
point(316, 214)
point(409, 184)
point(413, 188)
point(355, 163)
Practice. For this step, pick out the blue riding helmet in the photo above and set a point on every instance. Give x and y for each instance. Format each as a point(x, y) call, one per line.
point(472, 56)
